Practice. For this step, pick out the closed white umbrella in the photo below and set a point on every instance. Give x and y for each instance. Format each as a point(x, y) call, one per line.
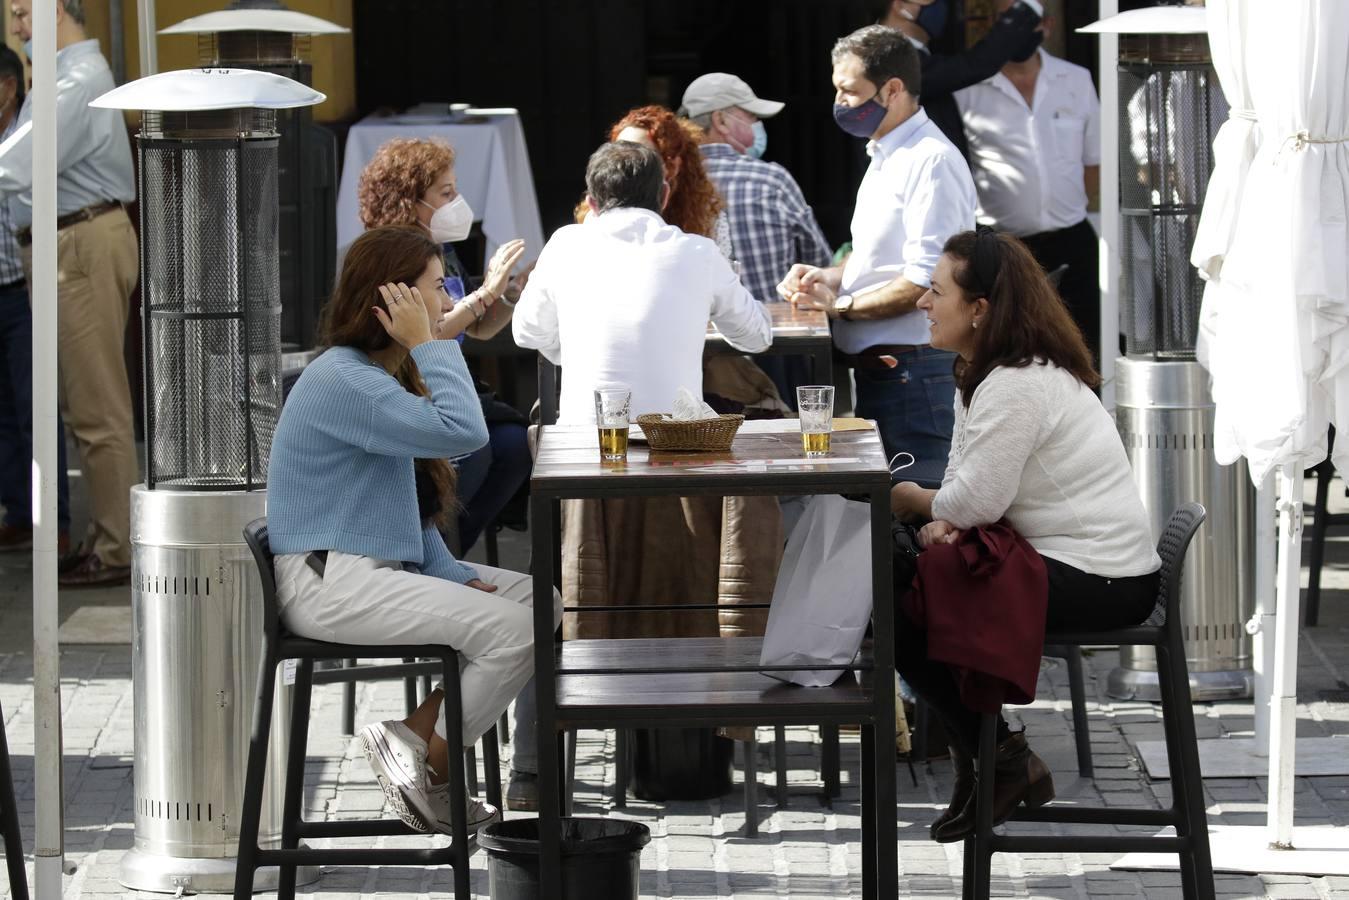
point(1274, 247)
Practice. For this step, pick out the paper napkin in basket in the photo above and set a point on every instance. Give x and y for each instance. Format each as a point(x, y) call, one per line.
point(688, 407)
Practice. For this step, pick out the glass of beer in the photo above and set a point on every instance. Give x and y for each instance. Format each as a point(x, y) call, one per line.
point(815, 404)
point(612, 404)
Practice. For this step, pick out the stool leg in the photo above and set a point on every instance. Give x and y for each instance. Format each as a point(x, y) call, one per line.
point(410, 690)
point(1077, 690)
point(751, 750)
point(569, 785)
point(9, 821)
point(780, 764)
point(255, 774)
point(293, 801)
point(1187, 783)
point(983, 811)
point(452, 711)
point(830, 761)
point(1318, 550)
point(918, 737)
point(349, 701)
point(471, 769)
point(490, 539)
point(621, 774)
point(504, 728)
point(491, 753)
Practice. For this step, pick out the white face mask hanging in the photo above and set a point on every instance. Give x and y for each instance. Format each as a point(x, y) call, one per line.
point(896, 466)
point(451, 222)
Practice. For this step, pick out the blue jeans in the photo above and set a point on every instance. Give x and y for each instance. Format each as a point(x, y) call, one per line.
point(914, 408)
point(489, 478)
point(16, 417)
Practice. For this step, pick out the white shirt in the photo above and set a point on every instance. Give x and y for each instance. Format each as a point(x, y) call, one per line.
point(916, 193)
point(1027, 160)
point(626, 298)
point(1037, 447)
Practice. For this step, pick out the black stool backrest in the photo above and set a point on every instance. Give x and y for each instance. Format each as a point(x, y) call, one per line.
point(1175, 541)
point(255, 535)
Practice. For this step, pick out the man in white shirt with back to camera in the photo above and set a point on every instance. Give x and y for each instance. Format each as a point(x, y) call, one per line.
point(625, 298)
point(1034, 132)
point(915, 195)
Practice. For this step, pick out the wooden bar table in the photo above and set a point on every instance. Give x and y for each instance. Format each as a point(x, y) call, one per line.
point(712, 681)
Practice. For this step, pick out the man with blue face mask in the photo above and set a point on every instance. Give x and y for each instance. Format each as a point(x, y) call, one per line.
point(772, 226)
point(917, 193)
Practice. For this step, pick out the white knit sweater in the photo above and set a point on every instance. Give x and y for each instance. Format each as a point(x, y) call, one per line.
point(1037, 448)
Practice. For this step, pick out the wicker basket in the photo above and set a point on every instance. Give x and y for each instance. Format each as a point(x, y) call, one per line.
point(699, 434)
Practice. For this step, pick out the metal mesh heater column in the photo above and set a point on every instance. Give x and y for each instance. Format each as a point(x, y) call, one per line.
point(1170, 108)
point(207, 152)
point(211, 297)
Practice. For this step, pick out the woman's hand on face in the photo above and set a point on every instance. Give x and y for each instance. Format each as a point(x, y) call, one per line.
point(938, 532)
point(407, 320)
point(499, 268)
point(481, 585)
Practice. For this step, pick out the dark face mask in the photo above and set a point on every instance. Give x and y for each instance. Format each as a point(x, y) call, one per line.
point(860, 121)
point(932, 19)
point(1028, 47)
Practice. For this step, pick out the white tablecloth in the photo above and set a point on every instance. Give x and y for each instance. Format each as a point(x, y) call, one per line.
point(491, 166)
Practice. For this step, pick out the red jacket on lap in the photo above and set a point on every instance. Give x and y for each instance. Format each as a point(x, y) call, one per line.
point(982, 603)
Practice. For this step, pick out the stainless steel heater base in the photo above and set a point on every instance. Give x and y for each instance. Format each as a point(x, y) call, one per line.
point(168, 874)
point(1139, 684)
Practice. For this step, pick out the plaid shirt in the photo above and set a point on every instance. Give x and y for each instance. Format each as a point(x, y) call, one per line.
point(11, 264)
point(772, 226)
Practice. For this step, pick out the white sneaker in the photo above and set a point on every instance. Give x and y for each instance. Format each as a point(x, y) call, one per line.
point(398, 758)
point(480, 814)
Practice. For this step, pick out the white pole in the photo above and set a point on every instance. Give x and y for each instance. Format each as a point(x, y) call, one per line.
point(47, 842)
point(149, 40)
point(1110, 244)
point(1261, 625)
point(1283, 703)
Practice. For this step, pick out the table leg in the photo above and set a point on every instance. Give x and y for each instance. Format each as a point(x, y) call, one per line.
point(870, 808)
point(821, 365)
point(883, 679)
point(550, 793)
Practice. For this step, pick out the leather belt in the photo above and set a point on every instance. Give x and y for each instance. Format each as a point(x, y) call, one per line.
point(25, 235)
point(882, 357)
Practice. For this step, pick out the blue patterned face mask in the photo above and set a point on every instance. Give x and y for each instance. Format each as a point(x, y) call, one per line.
point(860, 121)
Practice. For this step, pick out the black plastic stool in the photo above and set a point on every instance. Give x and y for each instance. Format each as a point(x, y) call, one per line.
point(279, 646)
point(9, 822)
point(1162, 631)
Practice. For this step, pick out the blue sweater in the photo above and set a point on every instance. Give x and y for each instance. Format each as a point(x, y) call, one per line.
point(341, 475)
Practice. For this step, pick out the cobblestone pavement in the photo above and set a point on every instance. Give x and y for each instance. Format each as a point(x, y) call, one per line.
point(698, 850)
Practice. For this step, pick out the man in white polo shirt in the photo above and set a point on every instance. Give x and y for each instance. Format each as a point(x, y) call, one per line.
point(1035, 152)
point(916, 193)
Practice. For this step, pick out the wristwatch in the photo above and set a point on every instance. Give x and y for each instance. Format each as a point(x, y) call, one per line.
point(842, 305)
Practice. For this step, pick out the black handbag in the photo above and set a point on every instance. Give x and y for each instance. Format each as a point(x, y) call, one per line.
point(904, 550)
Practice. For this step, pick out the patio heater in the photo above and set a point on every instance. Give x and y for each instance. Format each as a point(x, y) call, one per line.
point(265, 35)
point(1170, 108)
point(207, 154)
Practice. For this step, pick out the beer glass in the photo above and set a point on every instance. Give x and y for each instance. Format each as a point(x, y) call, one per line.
point(612, 404)
point(815, 404)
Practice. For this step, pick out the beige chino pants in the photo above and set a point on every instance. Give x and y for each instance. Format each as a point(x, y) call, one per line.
point(97, 269)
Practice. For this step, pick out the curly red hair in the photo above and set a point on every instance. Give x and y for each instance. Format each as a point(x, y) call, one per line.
point(397, 176)
point(694, 202)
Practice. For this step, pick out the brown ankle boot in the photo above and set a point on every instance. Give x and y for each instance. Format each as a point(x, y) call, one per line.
point(961, 791)
point(1019, 777)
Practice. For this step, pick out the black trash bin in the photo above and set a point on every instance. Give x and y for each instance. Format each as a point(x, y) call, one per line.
point(681, 764)
point(600, 858)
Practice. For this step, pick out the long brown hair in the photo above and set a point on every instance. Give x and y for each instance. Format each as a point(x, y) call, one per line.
point(694, 202)
point(391, 253)
point(1026, 319)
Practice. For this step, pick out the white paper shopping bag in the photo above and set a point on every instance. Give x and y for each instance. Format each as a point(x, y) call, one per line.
point(822, 600)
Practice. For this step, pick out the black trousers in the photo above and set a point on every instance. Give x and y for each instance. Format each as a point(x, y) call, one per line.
point(1077, 601)
point(1075, 247)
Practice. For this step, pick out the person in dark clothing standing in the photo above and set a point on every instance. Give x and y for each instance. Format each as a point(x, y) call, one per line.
point(1015, 35)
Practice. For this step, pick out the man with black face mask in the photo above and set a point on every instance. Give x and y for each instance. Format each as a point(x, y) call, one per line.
point(1015, 35)
point(916, 194)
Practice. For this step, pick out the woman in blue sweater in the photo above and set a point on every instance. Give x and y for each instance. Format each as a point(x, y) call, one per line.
point(357, 483)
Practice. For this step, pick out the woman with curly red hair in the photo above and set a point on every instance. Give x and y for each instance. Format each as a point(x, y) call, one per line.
point(694, 203)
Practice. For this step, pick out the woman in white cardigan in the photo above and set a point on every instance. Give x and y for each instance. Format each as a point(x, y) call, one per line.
point(1031, 445)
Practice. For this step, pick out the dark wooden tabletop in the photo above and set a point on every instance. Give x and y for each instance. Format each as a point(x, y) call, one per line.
point(791, 326)
point(765, 458)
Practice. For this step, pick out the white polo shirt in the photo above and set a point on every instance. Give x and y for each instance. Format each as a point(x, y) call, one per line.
point(1027, 161)
point(916, 193)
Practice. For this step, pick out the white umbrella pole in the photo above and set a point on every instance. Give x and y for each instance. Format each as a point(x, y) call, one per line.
point(1110, 243)
point(149, 39)
point(47, 843)
point(1261, 625)
point(1283, 702)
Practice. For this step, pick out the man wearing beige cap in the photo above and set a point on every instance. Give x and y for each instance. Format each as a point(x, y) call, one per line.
point(772, 226)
